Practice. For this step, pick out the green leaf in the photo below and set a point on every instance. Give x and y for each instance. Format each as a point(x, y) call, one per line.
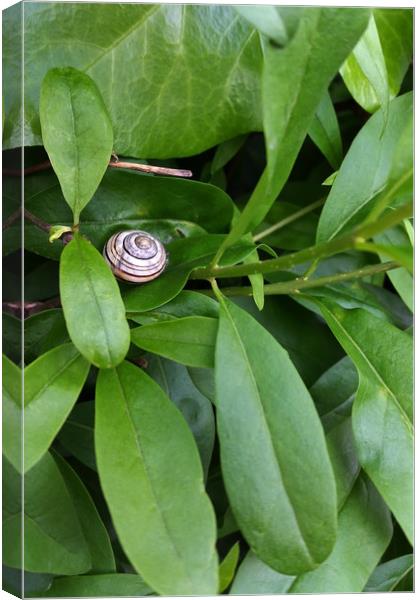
point(186, 304)
point(44, 331)
point(335, 386)
point(77, 433)
point(343, 456)
point(52, 385)
point(76, 133)
point(12, 337)
point(227, 568)
point(19, 583)
point(280, 488)
point(266, 20)
point(387, 576)
point(365, 73)
point(98, 586)
point(92, 305)
point(170, 98)
point(382, 411)
point(365, 170)
point(197, 410)
point(188, 340)
point(12, 412)
point(400, 278)
point(93, 529)
point(325, 132)
point(364, 523)
point(53, 539)
point(184, 256)
point(169, 208)
point(294, 81)
point(144, 449)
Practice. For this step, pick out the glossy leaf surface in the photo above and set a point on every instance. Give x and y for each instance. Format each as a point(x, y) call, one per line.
point(364, 522)
point(358, 180)
point(188, 340)
point(77, 433)
point(52, 385)
point(382, 412)
point(166, 529)
point(184, 60)
point(92, 305)
point(387, 576)
point(269, 469)
point(76, 133)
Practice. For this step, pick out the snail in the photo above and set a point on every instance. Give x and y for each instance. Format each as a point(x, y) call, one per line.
point(135, 256)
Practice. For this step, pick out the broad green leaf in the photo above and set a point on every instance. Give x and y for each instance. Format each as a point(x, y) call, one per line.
point(343, 456)
point(184, 256)
point(186, 304)
point(98, 586)
point(227, 568)
point(281, 488)
point(364, 524)
point(375, 70)
point(175, 381)
point(166, 529)
point(177, 95)
point(203, 380)
point(308, 341)
point(395, 28)
point(53, 540)
point(325, 132)
point(44, 331)
point(267, 20)
point(12, 413)
point(294, 81)
point(76, 133)
point(52, 385)
point(188, 340)
point(382, 411)
point(92, 305)
point(77, 433)
point(365, 73)
point(96, 535)
point(365, 170)
point(169, 208)
point(387, 576)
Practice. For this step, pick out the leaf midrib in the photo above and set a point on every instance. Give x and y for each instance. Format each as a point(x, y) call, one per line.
point(379, 378)
point(267, 428)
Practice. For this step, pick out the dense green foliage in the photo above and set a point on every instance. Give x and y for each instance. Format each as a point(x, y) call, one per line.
point(243, 423)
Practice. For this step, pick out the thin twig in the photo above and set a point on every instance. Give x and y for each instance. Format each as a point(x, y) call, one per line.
point(29, 308)
point(12, 218)
point(295, 286)
point(37, 221)
point(115, 164)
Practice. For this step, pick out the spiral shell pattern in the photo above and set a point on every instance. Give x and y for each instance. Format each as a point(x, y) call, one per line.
point(135, 256)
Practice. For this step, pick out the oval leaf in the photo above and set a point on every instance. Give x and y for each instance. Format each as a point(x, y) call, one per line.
point(144, 449)
point(189, 340)
point(52, 385)
point(76, 133)
point(92, 305)
point(275, 462)
point(382, 411)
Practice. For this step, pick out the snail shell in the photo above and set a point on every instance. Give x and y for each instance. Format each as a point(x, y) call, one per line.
point(135, 256)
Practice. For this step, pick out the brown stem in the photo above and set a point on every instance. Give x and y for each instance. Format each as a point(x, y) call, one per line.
point(29, 308)
point(12, 218)
point(36, 221)
point(115, 164)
